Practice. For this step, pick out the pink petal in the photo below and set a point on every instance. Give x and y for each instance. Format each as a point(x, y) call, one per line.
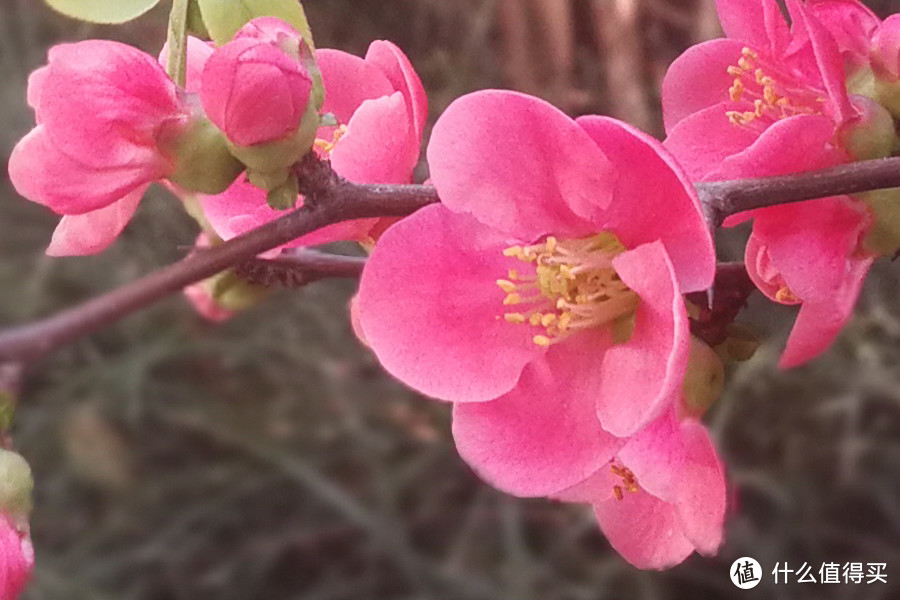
point(93, 232)
point(698, 79)
point(702, 497)
point(43, 174)
point(538, 439)
point(349, 81)
point(397, 68)
point(654, 201)
point(642, 377)
point(432, 312)
point(703, 140)
point(850, 23)
point(125, 91)
point(755, 22)
point(519, 165)
point(242, 208)
point(885, 48)
point(198, 52)
point(16, 559)
point(820, 263)
point(379, 146)
point(35, 88)
point(828, 59)
point(656, 456)
point(645, 530)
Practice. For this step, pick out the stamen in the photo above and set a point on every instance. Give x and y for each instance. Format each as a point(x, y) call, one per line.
point(629, 481)
point(574, 286)
point(326, 146)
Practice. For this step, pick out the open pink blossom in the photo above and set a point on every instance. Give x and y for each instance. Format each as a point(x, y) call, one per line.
point(380, 108)
point(16, 559)
point(661, 497)
point(255, 88)
point(104, 111)
point(543, 296)
point(770, 100)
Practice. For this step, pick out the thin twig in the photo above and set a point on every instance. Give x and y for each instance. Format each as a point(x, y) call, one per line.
point(329, 199)
point(299, 267)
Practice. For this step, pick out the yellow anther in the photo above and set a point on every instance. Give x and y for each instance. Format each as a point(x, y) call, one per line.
point(541, 340)
point(513, 252)
point(745, 64)
point(548, 319)
point(512, 299)
point(758, 107)
point(786, 296)
point(770, 96)
point(513, 274)
point(535, 319)
point(749, 53)
point(617, 490)
point(550, 244)
point(507, 286)
point(564, 321)
point(735, 71)
point(516, 318)
point(760, 75)
point(736, 90)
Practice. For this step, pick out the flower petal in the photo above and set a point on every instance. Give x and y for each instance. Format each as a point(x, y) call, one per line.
point(349, 81)
point(698, 79)
point(432, 312)
point(379, 146)
point(536, 440)
point(43, 174)
point(645, 530)
point(519, 165)
point(654, 201)
point(397, 68)
point(643, 376)
point(656, 456)
point(820, 264)
point(852, 25)
point(755, 22)
point(93, 232)
point(702, 497)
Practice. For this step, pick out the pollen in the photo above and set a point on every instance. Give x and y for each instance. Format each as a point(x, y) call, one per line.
point(327, 146)
point(786, 296)
point(772, 94)
point(629, 481)
point(569, 286)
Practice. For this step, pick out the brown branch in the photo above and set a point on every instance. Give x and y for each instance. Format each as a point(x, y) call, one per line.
point(725, 198)
point(731, 290)
point(299, 267)
point(329, 199)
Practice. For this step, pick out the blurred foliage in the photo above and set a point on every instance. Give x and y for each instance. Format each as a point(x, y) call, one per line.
point(270, 458)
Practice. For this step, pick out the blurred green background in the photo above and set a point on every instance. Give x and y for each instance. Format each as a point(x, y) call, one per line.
point(270, 458)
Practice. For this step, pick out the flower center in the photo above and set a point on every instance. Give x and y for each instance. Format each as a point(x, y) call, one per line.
point(629, 481)
point(574, 286)
point(774, 95)
point(326, 147)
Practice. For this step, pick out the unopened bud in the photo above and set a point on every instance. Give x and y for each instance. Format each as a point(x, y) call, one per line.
point(883, 237)
point(873, 134)
point(703, 381)
point(203, 161)
point(16, 485)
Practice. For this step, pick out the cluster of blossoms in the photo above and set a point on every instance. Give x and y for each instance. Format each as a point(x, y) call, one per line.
point(544, 296)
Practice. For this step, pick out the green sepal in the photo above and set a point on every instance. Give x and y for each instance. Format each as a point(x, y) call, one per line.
point(284, 197)
point(233, 293)
point(883, 238)
point(225, 18)
point(195, 25)
point(740, 345)
point(108, 12)
point(704, 379)
point(203, 161)
point(16, 485)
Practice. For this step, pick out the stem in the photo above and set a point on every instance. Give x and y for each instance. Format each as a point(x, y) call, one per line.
point(725, 198)
point(176, 62)
point(299, 267)
point(331, 199)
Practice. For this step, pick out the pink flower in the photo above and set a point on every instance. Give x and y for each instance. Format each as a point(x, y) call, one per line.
point(104, 111)
point(661, 497)
point(380, 108)
point(770, 100)
point(16, 559)
point(255, 88)
point(543, 296)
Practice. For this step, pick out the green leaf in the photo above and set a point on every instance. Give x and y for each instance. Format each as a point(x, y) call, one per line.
point(223, 18)
point(103, 11)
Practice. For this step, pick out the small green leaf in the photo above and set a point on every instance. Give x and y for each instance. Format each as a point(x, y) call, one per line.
point(223, 18)
point(103, 11)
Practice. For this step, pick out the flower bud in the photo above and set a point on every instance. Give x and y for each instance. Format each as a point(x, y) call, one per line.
point(16, 558)
point(203, 162)
point(255, 88)
point(883, 237)
point(16, 485)
point(872, 135)
point(704, 380)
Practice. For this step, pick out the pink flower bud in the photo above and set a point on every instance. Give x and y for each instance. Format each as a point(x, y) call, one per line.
point(16, 559)
point(255, 88)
